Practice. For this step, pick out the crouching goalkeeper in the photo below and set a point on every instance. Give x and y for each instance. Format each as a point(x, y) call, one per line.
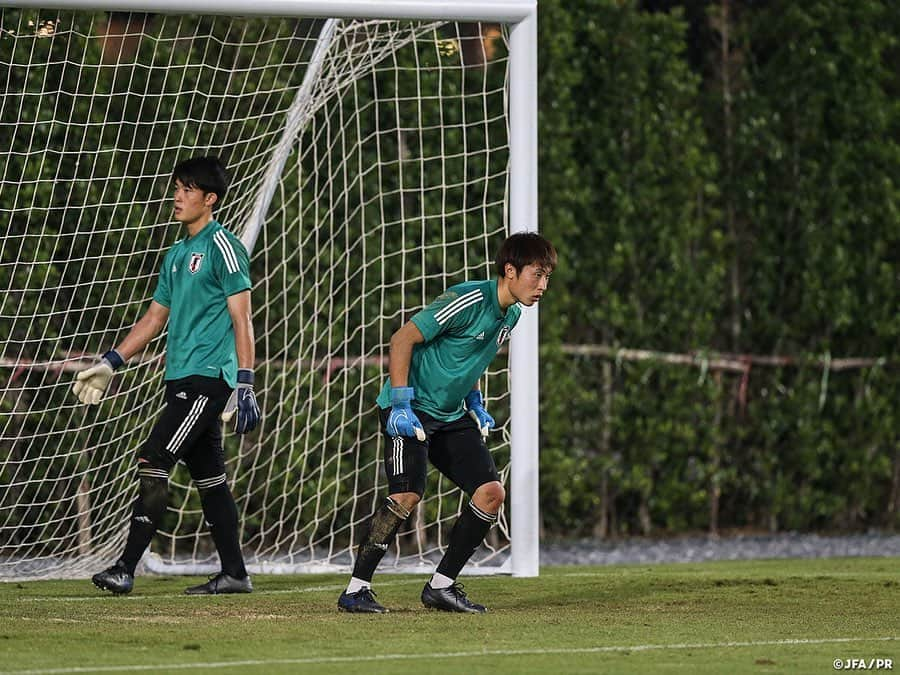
point(203, 292)
point(432, 411)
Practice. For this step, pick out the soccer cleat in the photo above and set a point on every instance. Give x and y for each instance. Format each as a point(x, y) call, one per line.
point(115, 579)
point(221, 583)
point(450, 599)
point(362, 602)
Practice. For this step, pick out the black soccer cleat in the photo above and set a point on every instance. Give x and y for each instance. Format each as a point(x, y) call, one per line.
point(220, 584)
point(450, 599)
point(115, 579)
point(361, 602)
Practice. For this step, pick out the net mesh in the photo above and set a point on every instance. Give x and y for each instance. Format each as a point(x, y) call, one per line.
point(367, 177)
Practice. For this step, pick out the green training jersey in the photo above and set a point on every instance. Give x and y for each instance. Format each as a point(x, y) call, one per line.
point(197, 276)
point(463, 329)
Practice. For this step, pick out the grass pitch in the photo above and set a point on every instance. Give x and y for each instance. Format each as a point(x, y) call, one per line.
point(781, 616)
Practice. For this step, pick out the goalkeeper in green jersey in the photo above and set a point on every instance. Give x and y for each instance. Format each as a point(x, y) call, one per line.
point(203, 293)
point(432, 409)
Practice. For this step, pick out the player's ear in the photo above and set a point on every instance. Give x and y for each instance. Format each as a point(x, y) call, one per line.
point(509, 271)
point(211, 198)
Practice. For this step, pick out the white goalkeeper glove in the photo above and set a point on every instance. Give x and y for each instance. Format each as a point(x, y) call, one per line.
point(91, 384)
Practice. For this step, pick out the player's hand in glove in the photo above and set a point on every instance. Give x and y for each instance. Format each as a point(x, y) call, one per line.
point(243, 402)
point(91, 384)
point(402, 421)
point(475, 404)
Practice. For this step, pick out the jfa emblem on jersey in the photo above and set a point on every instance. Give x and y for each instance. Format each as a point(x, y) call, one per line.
point(503, 335)
point(196, 261)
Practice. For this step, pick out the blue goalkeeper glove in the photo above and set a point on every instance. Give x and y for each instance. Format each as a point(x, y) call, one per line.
point(243, 402)
point(90, 385)
point(402, 421)
point(475, 404)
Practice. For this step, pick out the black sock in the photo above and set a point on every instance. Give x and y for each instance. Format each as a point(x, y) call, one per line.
point(382, 528)
point(140, 535)
point(468, 533)
point(146, 513)
point(221, 515)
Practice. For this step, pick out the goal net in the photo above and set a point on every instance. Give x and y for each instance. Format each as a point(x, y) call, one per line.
point(370, 170)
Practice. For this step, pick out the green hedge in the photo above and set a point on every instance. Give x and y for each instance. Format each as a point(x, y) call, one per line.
point(739, 200)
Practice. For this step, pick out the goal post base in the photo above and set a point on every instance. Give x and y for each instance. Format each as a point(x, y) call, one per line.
point(154, 564)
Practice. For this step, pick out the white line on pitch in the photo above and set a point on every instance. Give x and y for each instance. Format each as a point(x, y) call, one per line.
point(449, 655)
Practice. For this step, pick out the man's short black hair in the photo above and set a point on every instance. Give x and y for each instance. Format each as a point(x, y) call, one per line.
point(207, 173)
point(525, 248)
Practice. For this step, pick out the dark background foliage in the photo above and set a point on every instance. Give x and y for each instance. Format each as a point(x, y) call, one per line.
point(721, 177)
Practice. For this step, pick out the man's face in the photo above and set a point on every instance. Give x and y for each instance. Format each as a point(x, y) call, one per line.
point(191, 203)
point(529, 285)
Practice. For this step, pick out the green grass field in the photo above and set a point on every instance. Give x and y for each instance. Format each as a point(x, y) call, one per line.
point(780, 616)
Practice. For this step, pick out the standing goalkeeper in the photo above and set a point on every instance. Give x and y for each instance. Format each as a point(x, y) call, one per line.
point(203, 293)
point(436, 361)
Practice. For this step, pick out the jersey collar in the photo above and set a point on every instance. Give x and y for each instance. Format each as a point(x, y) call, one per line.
point(209, 227)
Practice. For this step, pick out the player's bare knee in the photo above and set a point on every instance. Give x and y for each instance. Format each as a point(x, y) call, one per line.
point(407, 500)
point(489, 497)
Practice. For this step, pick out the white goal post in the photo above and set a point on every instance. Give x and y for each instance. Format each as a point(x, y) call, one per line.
point(380, 151)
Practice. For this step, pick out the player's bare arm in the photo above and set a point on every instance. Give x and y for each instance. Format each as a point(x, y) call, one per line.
point(148, 327)
point(90, 384)
point(243, 399)
point(241, 317)
point(402, 343)
point(402, 421)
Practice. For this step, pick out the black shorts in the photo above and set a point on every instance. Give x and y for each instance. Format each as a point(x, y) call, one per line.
point(456, 449)
point(189, 429)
